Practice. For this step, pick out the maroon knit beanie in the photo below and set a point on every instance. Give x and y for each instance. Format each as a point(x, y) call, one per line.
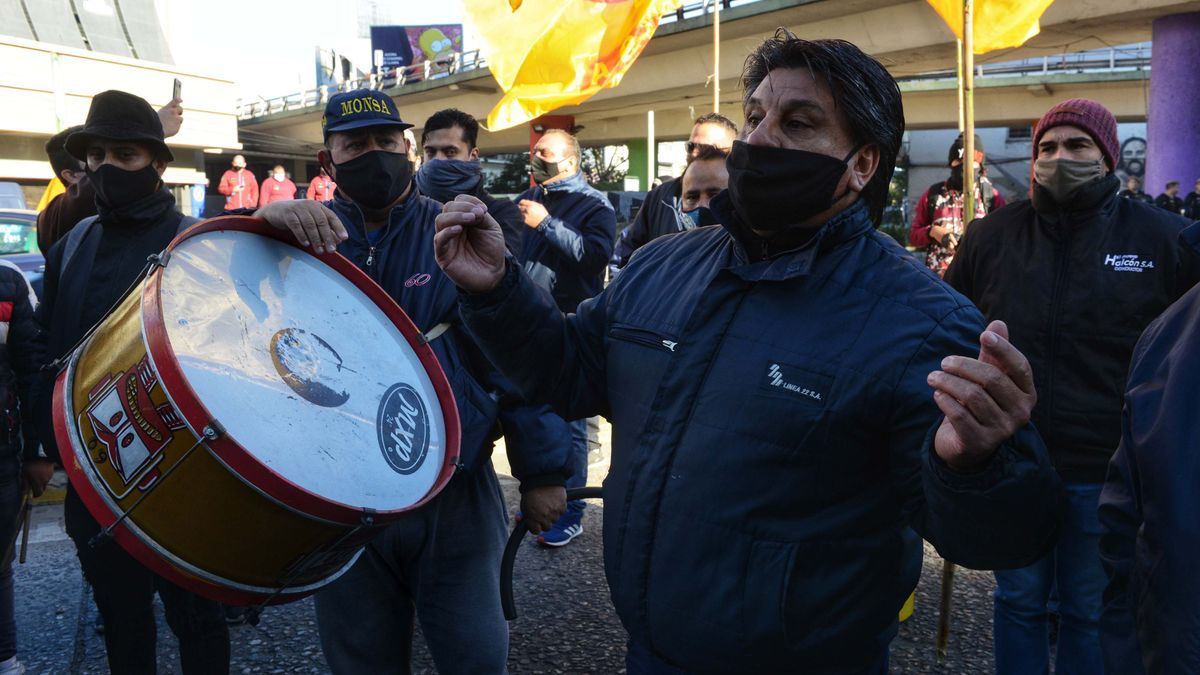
point(1088, 115)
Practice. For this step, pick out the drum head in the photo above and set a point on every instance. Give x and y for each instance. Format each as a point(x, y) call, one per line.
point(302, 370)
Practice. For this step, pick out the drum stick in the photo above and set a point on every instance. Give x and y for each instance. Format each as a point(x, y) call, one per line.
point(21, 522)
point(25, 529)
point(943, 631)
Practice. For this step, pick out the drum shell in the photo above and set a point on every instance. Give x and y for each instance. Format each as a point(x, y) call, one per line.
point(198, 523)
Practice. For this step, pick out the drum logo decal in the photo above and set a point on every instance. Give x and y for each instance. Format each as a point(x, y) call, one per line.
point(310, 366)
point(403, 427)
point(133, 429)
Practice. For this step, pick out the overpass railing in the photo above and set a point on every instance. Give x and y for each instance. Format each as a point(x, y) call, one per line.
point(461, 62)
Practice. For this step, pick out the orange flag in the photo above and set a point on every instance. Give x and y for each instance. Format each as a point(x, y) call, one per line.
point(999, 24)
point(546, 54)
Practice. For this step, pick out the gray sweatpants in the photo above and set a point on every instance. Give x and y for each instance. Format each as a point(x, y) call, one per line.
point(443, 561)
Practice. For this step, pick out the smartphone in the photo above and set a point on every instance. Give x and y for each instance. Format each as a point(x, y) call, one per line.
point(177, 91)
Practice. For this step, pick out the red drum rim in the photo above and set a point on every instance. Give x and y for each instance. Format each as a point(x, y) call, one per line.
point(226, 448)
point(142, 547)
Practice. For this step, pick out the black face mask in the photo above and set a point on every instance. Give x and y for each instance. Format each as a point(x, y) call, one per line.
point(775, 188)
point(956, 178)
point(117, 187)
point(543, 170)
point(375, 179)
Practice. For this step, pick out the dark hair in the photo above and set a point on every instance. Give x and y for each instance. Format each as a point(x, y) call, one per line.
point(1172, 183)
point(707, 153)
point(718, 119)
point(862, 89)
point(60, 159)
point(450, 118)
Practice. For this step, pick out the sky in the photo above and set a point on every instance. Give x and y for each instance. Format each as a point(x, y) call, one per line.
point(268, 48)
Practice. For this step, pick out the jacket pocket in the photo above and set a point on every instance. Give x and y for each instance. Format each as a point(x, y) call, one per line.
point(477, 412)
point(643, 336)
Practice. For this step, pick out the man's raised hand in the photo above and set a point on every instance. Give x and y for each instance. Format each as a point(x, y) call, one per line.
point(469, 245)
point(985, 400)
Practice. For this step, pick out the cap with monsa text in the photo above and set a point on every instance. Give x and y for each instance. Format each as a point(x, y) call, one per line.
point(360, 108)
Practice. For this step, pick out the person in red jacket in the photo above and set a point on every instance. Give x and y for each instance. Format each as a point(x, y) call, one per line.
point(238, 186)
point(938, 221)
point(321, 188)
point(277, 187)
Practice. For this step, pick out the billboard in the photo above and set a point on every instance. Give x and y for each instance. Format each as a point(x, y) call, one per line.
point(397, 46)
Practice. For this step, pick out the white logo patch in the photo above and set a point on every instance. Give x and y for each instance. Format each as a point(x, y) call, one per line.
point(775, 379)
point(1127, 262)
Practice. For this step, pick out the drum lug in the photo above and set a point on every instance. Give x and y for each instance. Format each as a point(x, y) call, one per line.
point(159, 259)
point(213, 431)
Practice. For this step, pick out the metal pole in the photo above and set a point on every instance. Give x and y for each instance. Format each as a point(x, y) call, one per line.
point(716, 56)
point(651, 164)
point(968, 113)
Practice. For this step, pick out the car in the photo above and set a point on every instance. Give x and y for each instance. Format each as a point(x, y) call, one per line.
point(11, 196)
point(18, 244)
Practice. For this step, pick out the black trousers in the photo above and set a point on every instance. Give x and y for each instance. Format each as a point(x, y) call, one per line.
point(124, 591)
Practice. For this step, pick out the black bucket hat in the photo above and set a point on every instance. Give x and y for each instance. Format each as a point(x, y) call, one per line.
point(119, 116)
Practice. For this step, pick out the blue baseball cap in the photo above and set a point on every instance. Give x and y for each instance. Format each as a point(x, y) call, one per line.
point(360, 108)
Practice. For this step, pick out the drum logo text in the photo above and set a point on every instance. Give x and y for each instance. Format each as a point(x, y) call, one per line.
point(403, 428)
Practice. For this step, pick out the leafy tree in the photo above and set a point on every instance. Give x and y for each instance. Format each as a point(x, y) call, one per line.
point(514, 177)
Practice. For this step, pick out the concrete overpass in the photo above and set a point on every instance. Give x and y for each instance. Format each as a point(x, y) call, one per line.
point(906, 35)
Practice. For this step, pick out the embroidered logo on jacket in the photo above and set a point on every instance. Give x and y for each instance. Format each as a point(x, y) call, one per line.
point(777, 378)
point(1127, 262)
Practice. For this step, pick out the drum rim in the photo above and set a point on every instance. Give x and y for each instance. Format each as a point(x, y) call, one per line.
point(228, 450)
point(142, 546)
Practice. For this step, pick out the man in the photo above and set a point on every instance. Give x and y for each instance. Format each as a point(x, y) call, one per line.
point(1191, 203)
point(123, 145)
point(1149, 542)
point(443, 560)
point(702, 180)
point(79, 201)
point(239, 186)
point(769, 386)
point(1133, 190)
point(277, 187)
point(20, 464)
point(1170, 200)
point(452, 168)
point(321, 188)
point(1094, 270)
point(656, 217)
point(568, 238)
point(938, 222)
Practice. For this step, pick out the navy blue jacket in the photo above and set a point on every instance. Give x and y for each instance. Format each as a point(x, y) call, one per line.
point(656, 217)
point(402, 263)
point(1150, 506)
point(772, 440)
point(568, 251)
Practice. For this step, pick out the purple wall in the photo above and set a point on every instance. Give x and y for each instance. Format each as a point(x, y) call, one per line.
point(1174, 115)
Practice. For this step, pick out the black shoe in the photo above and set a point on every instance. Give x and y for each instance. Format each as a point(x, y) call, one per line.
point(235, 616)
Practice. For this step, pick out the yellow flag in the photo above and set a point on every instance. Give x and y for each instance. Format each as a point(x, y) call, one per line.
point(546, 54)
point(999, 24)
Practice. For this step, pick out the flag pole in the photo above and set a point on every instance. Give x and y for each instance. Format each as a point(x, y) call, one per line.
point(716, 56)
point(968, 86)
point(958, 45)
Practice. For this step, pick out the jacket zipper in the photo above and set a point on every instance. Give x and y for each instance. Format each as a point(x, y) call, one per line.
point(1060, 283)
point(370, 256)
point(641, 336)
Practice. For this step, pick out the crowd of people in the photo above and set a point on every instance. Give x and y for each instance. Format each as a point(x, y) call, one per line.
point(796, 400)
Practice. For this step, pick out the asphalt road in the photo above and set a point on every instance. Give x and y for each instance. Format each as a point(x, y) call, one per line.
point(566, 622)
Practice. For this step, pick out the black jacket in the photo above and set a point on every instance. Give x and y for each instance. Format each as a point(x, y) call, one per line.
point(109, 259)
point(1076, 290)
point(1172, 204)
point(1139, 196)
point(1191, 206)
point(655, 218)
point(19, 363)
point(1149, 543)
point(772, 440)
point(506, 213)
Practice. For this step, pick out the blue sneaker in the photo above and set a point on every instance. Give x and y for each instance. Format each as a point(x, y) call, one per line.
point(568, 526)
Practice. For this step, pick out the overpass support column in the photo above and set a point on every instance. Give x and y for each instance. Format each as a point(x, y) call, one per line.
point(1173, 145)
point(638, 159)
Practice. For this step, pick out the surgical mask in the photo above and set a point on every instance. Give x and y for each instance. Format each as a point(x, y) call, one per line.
point(543, 170)
point(445, 179)
point(375, 179)
point(280, 177)
point(1063, 178)
point(776, 188)
point(117, 187)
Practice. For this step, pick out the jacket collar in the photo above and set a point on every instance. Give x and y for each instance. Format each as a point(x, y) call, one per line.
point(574, 183)
point(143, 213)
point(850, 224)
point(355, 222)
point(1094, 199)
